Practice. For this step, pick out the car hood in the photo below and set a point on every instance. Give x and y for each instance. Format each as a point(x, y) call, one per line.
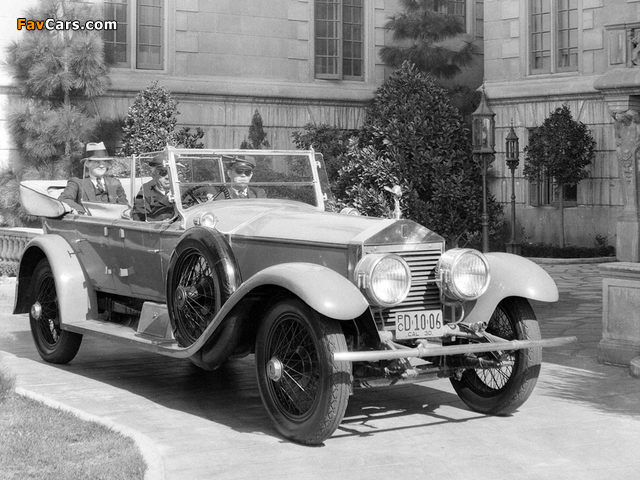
point(296, 222)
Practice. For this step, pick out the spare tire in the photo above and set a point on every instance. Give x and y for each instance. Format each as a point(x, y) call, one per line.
point(203, 273)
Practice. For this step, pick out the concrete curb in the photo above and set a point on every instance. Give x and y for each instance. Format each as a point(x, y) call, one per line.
point(148, 449)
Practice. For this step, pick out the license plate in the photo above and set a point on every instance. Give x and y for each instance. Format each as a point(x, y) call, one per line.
point(419, 324)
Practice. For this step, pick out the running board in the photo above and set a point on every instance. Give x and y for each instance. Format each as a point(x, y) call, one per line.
point(436, 351)
point(126, 334)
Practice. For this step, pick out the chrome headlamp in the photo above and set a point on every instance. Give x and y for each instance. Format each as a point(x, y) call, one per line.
point(385, 279)
point(206, 219)
point(463, 274)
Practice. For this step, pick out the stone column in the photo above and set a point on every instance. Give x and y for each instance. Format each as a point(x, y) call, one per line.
point(627, 136)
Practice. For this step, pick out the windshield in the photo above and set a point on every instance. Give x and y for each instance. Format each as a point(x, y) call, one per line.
point(206, 177)
point(174, 180)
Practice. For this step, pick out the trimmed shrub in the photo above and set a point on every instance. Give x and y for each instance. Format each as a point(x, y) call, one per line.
point(331, 142)
point(151, 121)
point(257, 135)
point(186, 139)
point(415, 138)
point(562, 149)
point(544, 250)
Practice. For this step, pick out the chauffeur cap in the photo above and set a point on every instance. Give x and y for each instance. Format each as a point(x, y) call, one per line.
point(246, 162)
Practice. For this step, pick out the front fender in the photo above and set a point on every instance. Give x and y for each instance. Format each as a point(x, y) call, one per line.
point(511, 276)
point(324, 290)
point(72, 286)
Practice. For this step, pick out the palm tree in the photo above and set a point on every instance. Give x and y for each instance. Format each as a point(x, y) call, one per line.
point(55, 72)
point(421, 33)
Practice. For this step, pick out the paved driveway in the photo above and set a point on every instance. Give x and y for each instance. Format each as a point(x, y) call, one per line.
point(582, 421)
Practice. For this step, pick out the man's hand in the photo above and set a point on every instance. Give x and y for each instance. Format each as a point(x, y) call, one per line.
point(70, 209)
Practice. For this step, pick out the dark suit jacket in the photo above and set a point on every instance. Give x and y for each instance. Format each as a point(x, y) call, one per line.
point(150, 204)
point(78, 190)
point(252, 192)
point(208, 193)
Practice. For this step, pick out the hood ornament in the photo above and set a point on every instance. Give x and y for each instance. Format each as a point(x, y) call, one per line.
point(396, 191)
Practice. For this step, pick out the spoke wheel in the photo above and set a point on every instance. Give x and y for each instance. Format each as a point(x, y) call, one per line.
point(304, 391)
point(501, 390)
point(53, 344)
point(196, 294)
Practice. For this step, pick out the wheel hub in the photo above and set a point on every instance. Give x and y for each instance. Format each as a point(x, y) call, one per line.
point(36, 311)
point(274, 369)
point(181, 297)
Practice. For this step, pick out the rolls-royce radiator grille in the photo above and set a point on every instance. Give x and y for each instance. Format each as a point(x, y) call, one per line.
point(424, 293)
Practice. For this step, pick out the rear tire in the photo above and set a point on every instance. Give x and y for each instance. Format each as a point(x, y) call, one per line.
point(500, 391)
point(53, 344)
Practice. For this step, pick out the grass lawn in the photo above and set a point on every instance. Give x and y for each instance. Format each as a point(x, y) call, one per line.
point(37, 442)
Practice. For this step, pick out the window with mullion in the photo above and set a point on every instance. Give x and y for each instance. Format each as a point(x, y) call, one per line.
point(116, 41)
point(327, 38)
point(352, 39)
point(479, 19)
point(567, 35)
point(553, 36)
point(149, 39)
point(339, 39)
point(139, 37)
point(540, 36)
point(457, 8)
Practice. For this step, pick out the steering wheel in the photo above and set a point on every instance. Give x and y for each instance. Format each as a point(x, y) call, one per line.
point(190, 194)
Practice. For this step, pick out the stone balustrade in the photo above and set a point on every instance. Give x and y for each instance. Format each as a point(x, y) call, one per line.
point(12, 244)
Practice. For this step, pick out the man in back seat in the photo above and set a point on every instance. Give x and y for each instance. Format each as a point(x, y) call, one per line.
point(95, 186)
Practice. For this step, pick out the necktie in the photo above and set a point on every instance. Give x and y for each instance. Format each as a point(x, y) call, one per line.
point(242, 194)
point(100, 186)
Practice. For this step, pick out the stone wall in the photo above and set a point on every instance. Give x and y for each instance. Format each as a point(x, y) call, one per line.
point(523, 97)
point(599, 200)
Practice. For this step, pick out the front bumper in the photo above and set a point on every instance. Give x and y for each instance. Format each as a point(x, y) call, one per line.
point(424, 351)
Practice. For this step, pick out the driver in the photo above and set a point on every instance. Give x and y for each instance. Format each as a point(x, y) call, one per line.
point(239, 173)
point(152, 201)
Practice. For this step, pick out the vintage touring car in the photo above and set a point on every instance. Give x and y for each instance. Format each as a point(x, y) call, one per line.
point(325, 301)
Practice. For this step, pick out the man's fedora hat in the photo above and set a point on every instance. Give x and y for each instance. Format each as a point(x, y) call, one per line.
point(97, 151)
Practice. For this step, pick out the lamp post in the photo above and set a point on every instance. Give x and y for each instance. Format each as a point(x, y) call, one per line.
point(512, 152)
point(483, 139)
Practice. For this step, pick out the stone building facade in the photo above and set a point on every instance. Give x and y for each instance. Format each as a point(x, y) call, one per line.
point(541, 54)
point(295, 61)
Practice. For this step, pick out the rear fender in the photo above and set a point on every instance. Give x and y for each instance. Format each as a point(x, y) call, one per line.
point(511, 276)
point(76, 298)
point(324, 290)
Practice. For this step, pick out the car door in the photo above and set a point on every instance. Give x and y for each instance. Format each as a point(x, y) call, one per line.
point(145, 257)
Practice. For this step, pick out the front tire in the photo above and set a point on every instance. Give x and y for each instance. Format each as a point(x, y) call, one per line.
point(53, 344)
point(500, 391)
point(303, 389)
